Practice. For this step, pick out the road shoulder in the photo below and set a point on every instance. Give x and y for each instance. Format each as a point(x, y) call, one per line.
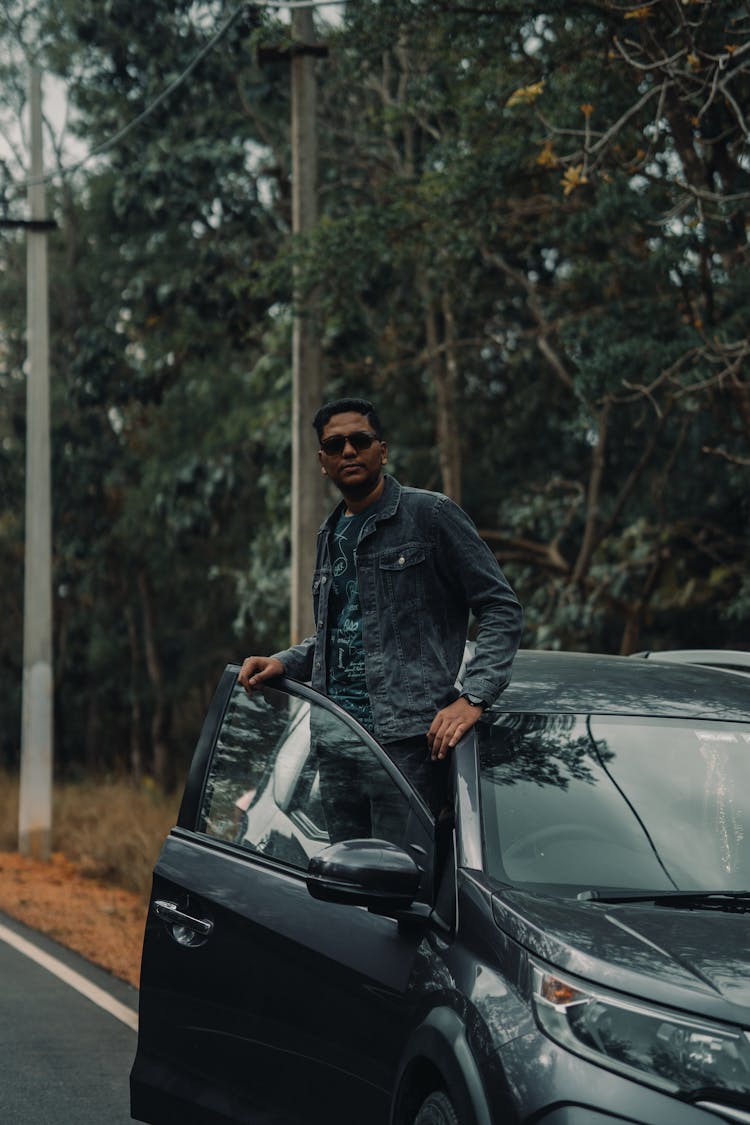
point(100, 923)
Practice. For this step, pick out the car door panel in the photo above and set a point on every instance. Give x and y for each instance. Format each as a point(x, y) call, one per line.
point(289, 1009)
point(275, 900)
point(284, 982)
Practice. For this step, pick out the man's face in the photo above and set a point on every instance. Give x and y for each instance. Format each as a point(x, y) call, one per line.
point(355, 471)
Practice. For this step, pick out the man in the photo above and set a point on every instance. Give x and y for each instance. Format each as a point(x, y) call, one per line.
point(397, 572)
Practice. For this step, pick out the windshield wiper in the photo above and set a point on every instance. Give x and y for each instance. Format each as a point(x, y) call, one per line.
point(732, 901)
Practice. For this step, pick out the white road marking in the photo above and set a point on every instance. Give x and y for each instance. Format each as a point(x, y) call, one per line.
point(70, 976)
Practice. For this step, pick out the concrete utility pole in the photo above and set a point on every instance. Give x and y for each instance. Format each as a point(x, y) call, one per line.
point(35, 799)
point(307, 379)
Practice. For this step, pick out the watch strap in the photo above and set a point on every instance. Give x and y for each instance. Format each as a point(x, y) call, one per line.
point(474, 700)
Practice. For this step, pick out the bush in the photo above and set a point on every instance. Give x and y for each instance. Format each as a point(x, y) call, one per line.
point(111, 829)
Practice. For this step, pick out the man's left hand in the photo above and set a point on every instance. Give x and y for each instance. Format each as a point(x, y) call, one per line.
point(450, 725)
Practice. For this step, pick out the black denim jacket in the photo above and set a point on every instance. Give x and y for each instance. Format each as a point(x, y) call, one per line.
point(421, 569)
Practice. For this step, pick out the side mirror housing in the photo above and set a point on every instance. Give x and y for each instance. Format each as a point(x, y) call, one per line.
point(373, 873)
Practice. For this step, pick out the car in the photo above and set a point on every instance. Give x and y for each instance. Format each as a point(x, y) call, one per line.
point(731, 660)
point(569, 944)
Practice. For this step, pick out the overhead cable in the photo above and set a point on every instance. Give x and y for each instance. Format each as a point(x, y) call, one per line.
point(169, 90)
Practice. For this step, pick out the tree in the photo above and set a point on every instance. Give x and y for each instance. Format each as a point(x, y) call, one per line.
point(161, 416)
point(532, 251)
point(532, 165)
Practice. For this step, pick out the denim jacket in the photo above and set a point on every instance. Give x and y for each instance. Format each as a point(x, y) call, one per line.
point(421, 569)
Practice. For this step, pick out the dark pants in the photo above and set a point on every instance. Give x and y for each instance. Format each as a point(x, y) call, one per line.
point(431, 779)
point(361, 801)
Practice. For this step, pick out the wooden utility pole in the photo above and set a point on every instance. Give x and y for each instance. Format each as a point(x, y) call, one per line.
point(307, 378)
point(35, 798)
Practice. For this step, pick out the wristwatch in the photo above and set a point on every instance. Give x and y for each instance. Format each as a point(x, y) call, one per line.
point(474, 700)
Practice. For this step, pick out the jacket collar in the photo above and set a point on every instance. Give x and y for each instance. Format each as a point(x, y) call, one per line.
point(389, 503)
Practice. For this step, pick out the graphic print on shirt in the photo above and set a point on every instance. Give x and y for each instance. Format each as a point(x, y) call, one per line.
point(346, 653)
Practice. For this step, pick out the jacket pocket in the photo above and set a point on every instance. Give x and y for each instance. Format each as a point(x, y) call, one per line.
point(319, 579)
point(402, 573)
point(399, 558)
point(320, 583)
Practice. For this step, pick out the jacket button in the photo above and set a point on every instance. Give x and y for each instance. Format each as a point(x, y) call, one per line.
point(323, 580)
point(402, 561)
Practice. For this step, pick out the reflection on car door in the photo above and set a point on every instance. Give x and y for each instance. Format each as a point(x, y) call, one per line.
point(259, 1003)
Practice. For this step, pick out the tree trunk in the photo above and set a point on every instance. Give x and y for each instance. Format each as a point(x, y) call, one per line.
point(591, 532)
point(443, 371)
point(94, 740)
point(449, 444)
point(161, 720)
point(634, 618)
point(136, 712)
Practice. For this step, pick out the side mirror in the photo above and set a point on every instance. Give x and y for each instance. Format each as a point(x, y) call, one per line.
point(370, 873)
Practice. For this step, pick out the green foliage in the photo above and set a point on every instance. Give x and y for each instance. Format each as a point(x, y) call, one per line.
point(532, 235)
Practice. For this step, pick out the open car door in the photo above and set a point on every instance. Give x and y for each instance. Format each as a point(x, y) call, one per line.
point(258, 1002)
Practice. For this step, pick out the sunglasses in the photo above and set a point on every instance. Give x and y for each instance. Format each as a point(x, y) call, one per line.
point(359, 440)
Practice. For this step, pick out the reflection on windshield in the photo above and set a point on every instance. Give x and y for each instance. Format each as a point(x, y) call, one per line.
point(575, 802)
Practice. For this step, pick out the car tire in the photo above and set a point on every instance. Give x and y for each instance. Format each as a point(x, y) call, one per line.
point(437, 1109)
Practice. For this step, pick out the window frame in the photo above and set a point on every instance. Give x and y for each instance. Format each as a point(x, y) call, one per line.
point(195, 786)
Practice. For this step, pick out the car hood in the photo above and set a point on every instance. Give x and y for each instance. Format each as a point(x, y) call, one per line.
point(692, 959)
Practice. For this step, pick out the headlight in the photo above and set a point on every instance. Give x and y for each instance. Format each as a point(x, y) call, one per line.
point(664, 1049)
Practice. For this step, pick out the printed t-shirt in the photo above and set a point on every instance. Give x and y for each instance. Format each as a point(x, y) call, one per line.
point(346, 651)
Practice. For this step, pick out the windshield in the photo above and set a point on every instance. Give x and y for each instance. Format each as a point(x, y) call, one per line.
point(605, 802)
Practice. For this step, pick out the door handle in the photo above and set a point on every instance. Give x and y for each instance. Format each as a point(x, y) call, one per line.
point(170, 912)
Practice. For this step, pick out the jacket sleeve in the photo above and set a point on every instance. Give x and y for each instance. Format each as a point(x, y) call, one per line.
point(298, 660)
point(472, 567)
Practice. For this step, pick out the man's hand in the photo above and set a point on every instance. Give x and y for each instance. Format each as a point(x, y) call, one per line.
point(256, 669)
point(450, 725)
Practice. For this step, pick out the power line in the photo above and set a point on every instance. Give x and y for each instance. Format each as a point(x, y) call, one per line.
point(60, 173)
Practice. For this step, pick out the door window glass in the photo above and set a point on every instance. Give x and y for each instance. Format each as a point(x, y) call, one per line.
point(287, 777)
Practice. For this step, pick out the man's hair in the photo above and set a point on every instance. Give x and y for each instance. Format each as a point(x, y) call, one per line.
point(347, 406)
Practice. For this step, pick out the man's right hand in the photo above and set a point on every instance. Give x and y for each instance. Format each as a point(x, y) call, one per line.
point(256, 669)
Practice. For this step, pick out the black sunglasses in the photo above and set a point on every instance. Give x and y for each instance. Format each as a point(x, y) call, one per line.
point(334, 446)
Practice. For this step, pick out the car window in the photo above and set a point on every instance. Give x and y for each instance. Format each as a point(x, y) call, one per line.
point(606, 801)
point(287, 777)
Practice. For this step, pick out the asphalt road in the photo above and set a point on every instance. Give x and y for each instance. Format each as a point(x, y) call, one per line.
point(63, 1058)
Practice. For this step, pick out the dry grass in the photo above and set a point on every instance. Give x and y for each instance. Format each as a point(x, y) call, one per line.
point(110, 829)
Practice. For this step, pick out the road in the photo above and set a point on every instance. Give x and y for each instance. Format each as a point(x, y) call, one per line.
point(63, 1057)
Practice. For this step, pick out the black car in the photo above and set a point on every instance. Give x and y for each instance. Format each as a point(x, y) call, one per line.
point(568, 945)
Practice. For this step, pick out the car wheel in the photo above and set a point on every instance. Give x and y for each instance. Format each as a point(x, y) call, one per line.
point(437, 1109)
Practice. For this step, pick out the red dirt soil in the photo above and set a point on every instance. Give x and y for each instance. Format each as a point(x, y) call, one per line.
point(101, 922)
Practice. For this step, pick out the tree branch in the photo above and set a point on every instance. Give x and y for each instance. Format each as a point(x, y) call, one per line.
point(591, 535)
